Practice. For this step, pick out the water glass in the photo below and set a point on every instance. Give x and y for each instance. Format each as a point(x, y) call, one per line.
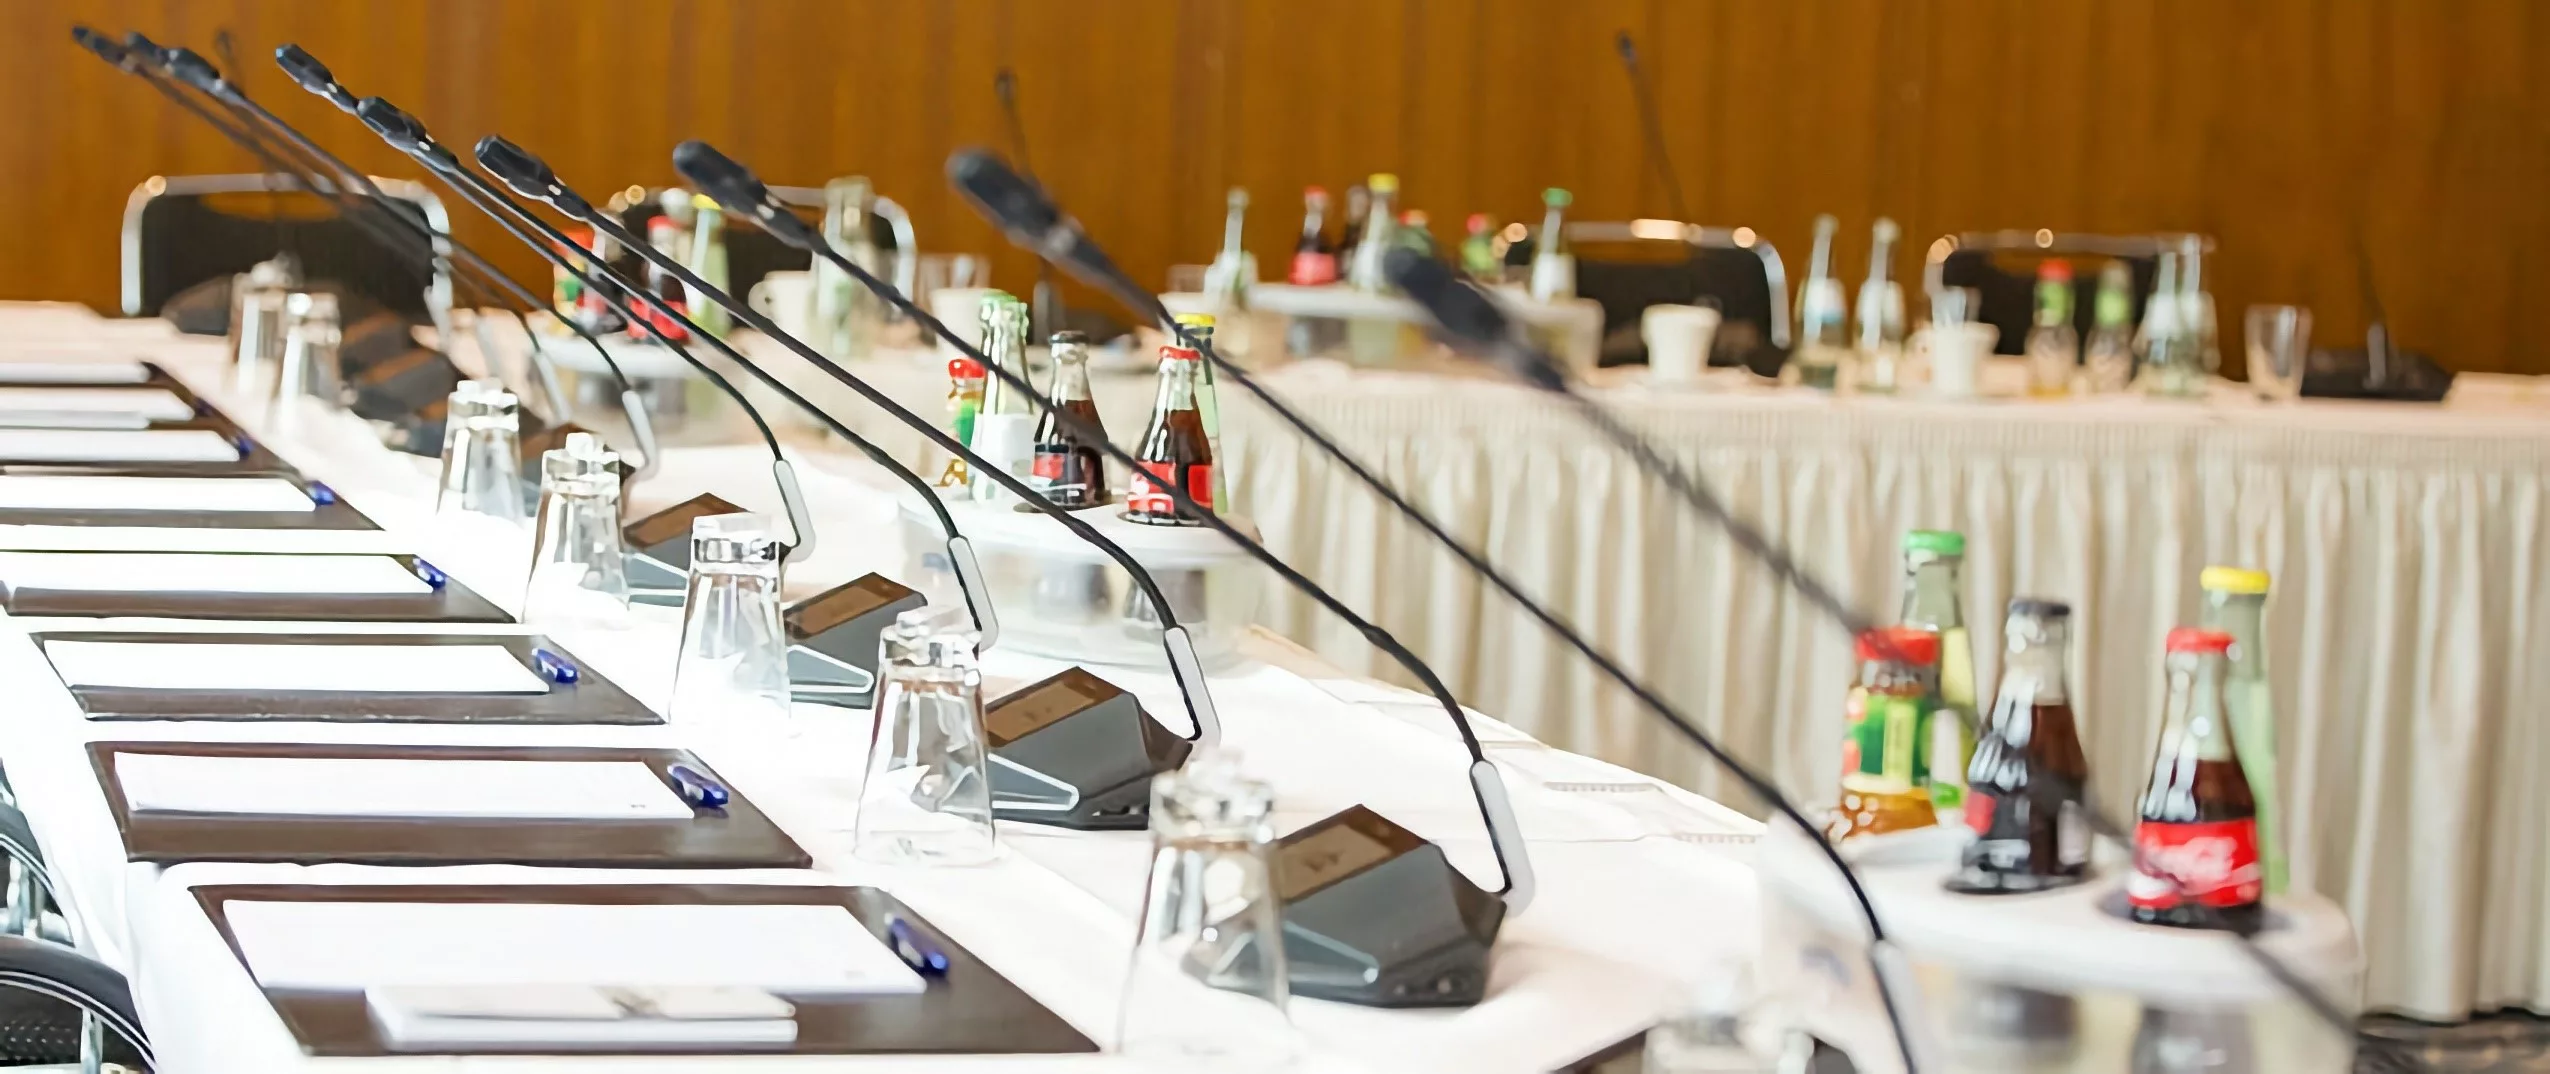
point(927, 799)
point(482, 453)
point(2279, 339)
point(1210, 918)
point(734, 658)
point(579, 572)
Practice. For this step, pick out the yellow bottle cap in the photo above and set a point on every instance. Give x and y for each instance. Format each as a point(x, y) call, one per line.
point(2237, 580)
point(1196, 320)
point(703, 201)
point(1382, 183)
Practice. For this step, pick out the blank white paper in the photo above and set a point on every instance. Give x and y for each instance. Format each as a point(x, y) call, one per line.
point(397, 787)
point(157, 404)
point(253, 668)
point(576, 1016)
point(40, 372)
point(209, 572)
point(70, 419)
point(78, 492)
point(353, 946)
point(116, 445)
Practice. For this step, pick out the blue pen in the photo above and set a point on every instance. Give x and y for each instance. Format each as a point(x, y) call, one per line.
point(914, 949)
point(246, 446)
point(697, 788)
point(432, 574)
point(555, 667)
point(321, 494)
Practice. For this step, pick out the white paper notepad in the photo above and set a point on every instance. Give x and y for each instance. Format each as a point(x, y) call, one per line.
point(251, 668)
point(116, 445)
point(397, 787)
point(353, 946)
point(209, 572)
point(157, 404)
point(75, 419)
point(40, 372)
point(77, 492)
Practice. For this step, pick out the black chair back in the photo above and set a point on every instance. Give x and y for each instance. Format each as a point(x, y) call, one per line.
point(194, 229)
point(1730, 269)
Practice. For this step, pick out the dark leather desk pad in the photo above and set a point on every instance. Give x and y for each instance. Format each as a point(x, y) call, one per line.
point(451, 602)
point(593, 699)
point(736, 837)
point(338, 515)
point(973, 1010)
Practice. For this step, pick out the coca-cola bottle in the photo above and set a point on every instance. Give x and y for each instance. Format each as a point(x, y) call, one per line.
point(2196, 850)
point(1885, 759)
point(1070, 471)
point(1175, 453)
point(1314, 260)
point(2025, 786)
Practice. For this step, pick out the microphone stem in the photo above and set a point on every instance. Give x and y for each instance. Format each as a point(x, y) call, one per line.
point(1372, 634)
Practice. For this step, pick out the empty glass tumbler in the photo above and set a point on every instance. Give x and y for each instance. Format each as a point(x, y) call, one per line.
point(927, 799)
point(2279, 345)
point(734, 658)
point(579, 573)
point(1211, 917)
point(482, 453)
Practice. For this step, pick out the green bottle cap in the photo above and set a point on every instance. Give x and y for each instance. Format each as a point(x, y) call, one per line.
point(1557, 197)
point(1935, 542)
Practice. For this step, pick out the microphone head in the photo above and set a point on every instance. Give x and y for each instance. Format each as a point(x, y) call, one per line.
point(398, 128)
point(1469, 320)
point(734, 186)
point(189, 67)
point(100, 44)
point(142, 46)
point(306, 71)
point(528, 175)
point(1011, 201)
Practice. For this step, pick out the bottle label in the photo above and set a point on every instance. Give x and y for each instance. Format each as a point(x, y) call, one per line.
point(1883, 750)
point(1049, 467)
point(1146, 492)
point(2212, 863)
point(1311, 268)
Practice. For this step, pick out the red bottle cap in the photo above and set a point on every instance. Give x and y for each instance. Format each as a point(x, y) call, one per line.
point(964, 369)
point(1911, 645)
point(2054, 269)
point(1478, 222)
point(2193, 640)
point(1314, 192)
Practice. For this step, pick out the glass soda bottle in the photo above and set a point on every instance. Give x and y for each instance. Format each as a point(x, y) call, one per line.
point(1880, 330)
point(1070, 471)
point(1479, 256)
point(1824, 344)
point(2196, 850)
point(1175, 453)
point(1885, 762)
point(1004, 431)
point(1314, 260)
point(1553, 265)
point(1208, 401)
point(2054, 346)
point(2029, 778)
point(2236, 604)
point(965, 378)
point(1935, 600)
point(2107, 357)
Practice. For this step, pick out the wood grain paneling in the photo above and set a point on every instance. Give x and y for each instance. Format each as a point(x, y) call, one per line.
point(2286, 127)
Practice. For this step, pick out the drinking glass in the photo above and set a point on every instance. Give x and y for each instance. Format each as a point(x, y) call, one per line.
point(1210, 918)
point(733, 662)
point(928, 795)
point(2279, 339)
point(579, 572)
point(482, 460)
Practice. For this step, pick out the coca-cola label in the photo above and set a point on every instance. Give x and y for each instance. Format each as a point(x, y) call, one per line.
point(1310, 268)
point(1147, 491)
point(1049, 466)
point(1979, 804)
point(2211, 863)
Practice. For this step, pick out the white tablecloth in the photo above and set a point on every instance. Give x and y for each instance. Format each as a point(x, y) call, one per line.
point(2411, 610)
point(2411, 615)
point(1586, 965)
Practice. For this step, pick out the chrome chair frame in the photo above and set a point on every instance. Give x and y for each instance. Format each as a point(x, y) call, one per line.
point(1703, 236)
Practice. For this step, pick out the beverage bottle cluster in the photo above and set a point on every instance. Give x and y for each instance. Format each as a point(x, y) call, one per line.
point(2205, 847)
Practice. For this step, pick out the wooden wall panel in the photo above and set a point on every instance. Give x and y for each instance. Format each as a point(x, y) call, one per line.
point(2288, 128)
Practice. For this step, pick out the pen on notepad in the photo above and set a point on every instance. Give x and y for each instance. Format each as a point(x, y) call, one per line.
point(914, 949)
point(697, 788)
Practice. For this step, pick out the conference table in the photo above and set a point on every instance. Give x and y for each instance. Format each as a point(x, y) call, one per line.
point(1641, 884)
point(2410, 615)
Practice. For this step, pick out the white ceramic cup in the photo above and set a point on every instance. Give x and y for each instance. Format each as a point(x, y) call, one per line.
point(1678, 340)
point(1955, 354)
point(786, 297)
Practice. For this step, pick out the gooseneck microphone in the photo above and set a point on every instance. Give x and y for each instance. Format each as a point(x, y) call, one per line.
point(1652, 123)
point(186, 66)
point(532, 178)
point(1046, 303)
point(405, 134)
point(1334, 917)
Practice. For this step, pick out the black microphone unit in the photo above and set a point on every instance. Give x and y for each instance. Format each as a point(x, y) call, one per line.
point(1048, 768)
point(184, 65)
point(406, 397)
point(1029, 217)
point(1373, 913)
point(1472, 322)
